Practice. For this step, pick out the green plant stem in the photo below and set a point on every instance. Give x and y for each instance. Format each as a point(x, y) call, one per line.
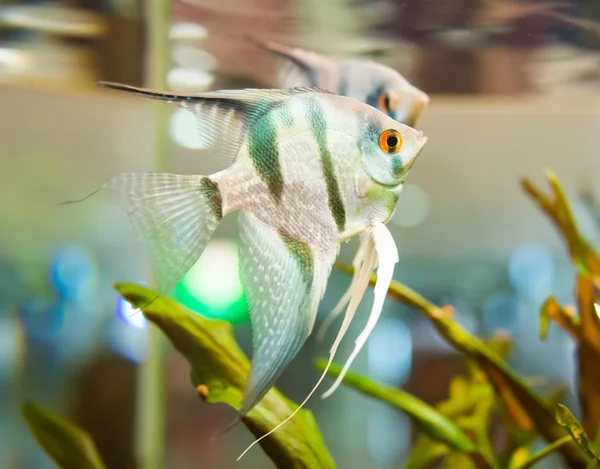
point(528, 410)
point(540, 455)
point(150, 416)
point(219, 370)
point(432, 422)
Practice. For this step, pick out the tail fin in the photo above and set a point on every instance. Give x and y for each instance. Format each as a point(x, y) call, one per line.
point(174, 215)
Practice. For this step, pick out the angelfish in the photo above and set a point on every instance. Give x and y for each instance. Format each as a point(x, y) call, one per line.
point(364, 80)
point(309, 169)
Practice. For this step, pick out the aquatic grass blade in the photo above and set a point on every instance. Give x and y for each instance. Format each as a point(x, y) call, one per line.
point(527, 410)
point(557, 208)
point(567, 420)
point(68, 445)
point(566, 318)
point(586, 328)
point(433, 423)
point(429, 420)
point(528, 461)
point(219, 370)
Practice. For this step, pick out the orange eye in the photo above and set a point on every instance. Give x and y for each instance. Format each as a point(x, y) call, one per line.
point(388, 102)
point(384, 102)
point(390, 141)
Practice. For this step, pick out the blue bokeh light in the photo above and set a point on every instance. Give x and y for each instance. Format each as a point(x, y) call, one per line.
point(43, 318)
point(73, 273)
point(390, 351)
point(531, 271)
point(129, 342)
point(130, 315)
point(501, 311)
point(388, 435)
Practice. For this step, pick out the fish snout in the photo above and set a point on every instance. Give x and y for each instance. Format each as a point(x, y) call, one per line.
point(415, 108)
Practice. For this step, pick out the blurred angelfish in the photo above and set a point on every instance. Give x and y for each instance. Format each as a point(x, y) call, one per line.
point(310, 169)
point(364, 80)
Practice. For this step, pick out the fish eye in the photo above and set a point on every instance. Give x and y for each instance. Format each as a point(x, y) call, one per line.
point(390, 141)
point(384, 102)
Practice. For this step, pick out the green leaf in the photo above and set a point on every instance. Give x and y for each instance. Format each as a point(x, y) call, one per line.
point(480, 419)
point(425, 451)
point(566, 419)
point(219, 373)
point(558, 210)
point(546, 317)
point(566, 318)
point(521, 459)
point(68, 445)
point(527, 410)
point(463, 395)
point(429, 420)
point(468, 407)
point(586, 328)
point(455, 460)
point(596, 448)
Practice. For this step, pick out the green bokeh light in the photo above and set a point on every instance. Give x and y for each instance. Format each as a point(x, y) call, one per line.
point(212, 287)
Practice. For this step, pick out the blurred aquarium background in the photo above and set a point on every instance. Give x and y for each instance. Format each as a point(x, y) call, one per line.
point(514, 87)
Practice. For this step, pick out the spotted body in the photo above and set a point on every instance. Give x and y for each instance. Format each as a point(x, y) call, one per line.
point(364, 80)
point(310, 169)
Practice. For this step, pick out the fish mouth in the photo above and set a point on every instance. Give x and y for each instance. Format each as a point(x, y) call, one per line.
point(422, 142)
point(415, 110)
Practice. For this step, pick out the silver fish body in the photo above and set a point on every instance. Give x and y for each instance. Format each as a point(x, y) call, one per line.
point(364, 80)
point(309, 170)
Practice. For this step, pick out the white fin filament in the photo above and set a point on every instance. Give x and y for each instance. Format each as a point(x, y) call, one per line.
point(357, 261)
point(387, 255)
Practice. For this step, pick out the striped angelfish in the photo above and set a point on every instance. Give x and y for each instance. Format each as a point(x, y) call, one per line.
point(364, 80)
point(309, 169)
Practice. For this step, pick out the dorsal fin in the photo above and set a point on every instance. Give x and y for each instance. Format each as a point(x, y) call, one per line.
point(295, 66)
point(222, 117)
point(246, 96)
